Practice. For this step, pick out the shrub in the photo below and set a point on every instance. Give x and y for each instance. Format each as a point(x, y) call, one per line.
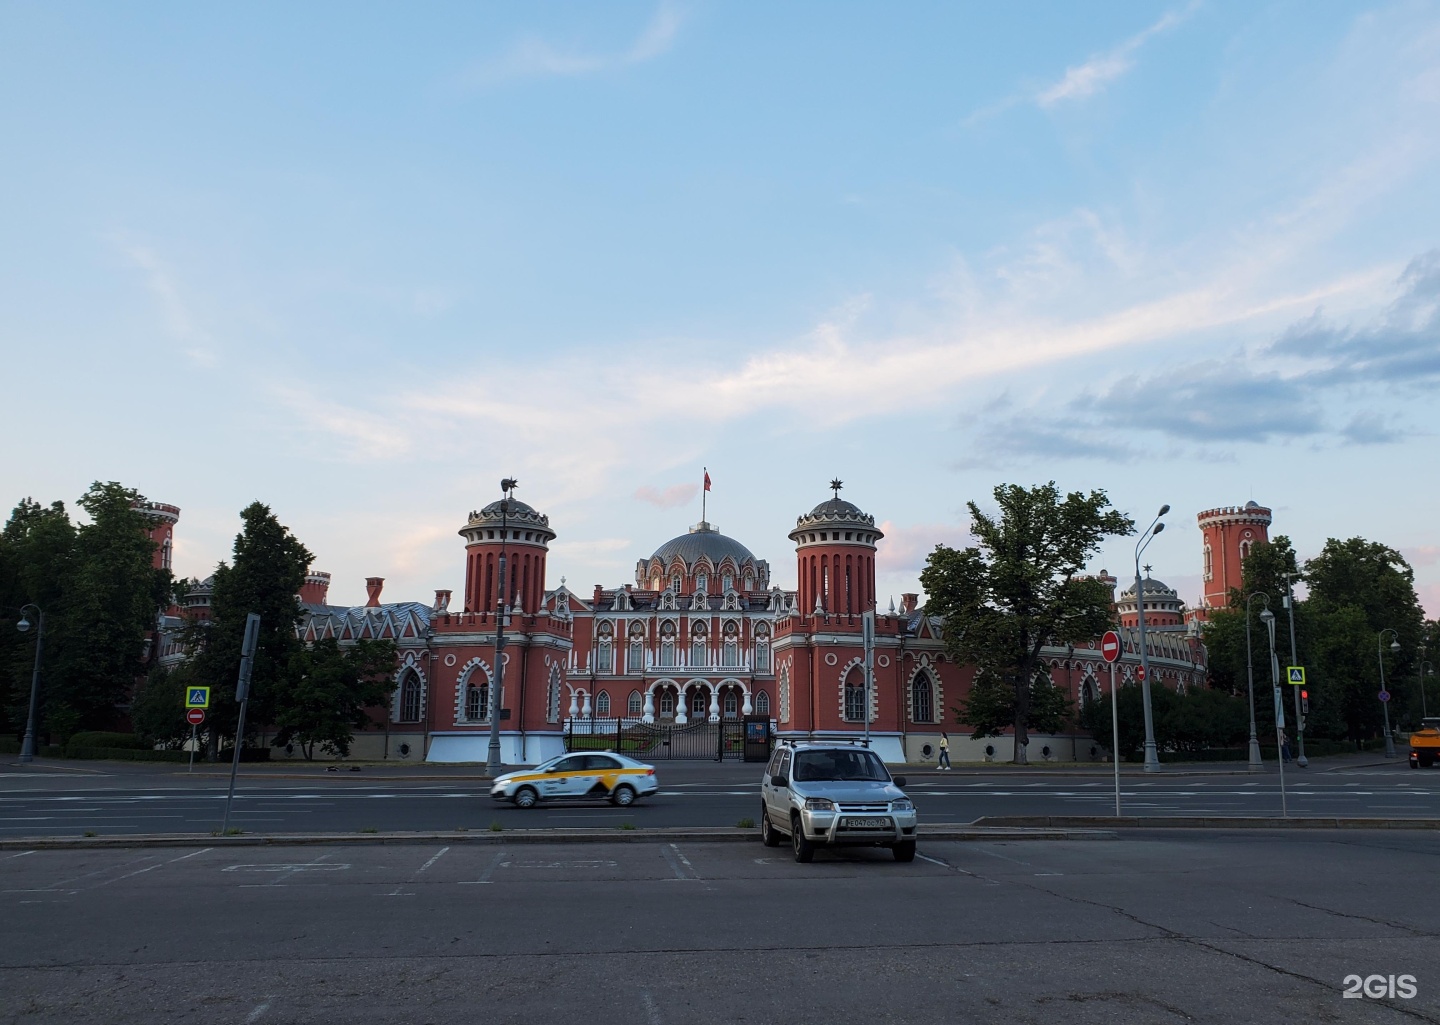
point(106, 740)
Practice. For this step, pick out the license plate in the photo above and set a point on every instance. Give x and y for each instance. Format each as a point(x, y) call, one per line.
point(867, 823)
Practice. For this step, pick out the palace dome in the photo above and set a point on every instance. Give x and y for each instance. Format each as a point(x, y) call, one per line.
point(703, 539)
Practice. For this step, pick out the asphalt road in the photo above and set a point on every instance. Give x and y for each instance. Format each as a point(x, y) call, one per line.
point(1153, 927)
point(107, 802)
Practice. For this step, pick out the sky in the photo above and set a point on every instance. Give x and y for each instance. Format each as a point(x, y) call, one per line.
point(361, 261)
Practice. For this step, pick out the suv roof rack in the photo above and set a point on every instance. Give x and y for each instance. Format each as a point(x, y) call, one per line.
point(828, 741)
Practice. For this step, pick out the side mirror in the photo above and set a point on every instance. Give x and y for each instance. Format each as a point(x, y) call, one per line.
point(779, 781)
point(899, 781)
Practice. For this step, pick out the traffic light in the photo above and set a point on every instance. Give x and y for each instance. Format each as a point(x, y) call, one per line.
point(1304, 701)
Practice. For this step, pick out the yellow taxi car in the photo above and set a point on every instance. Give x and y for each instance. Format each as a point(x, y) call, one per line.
point(1425, 744)
point(598, 775)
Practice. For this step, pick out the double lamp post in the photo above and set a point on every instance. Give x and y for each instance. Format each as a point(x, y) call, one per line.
point(27, 748)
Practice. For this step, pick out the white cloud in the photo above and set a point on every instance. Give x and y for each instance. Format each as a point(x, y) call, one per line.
point(1087, 79)
point(174, 310)
point(535, 58)
point(671, 497)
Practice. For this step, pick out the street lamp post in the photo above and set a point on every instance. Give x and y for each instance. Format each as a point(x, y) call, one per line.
point(1268, 618)
point(1295, 661)
point(1152, 759)
point(1255, 762)
point(1424, 713)
point(1384, 704)
point(27, 747)
point(492, 764)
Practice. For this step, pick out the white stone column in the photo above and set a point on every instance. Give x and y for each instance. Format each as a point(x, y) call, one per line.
point(682, 713)
point(714, 703)
point(584, 704)
point(649, 715)
point(745, 707)
point(574, 705)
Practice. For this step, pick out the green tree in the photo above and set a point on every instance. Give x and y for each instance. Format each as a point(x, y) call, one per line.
point(329, 688)
point(265, 577)
point(1018, 589)
point(37, 546)
point(158, 711)
point(114, 593)
point(989, 709)
point(1357, 590)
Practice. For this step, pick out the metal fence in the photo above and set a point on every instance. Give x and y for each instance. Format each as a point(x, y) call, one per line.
point(660, 741)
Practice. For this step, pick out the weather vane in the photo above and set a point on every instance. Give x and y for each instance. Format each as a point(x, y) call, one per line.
point(836, 485)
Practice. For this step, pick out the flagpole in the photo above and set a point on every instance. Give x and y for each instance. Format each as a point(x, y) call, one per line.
point(704, 494)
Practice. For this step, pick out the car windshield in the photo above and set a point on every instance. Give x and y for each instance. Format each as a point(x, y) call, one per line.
point(819, 766)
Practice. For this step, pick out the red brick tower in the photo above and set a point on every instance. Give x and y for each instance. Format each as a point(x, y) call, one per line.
point(316, 589)
point(526, 535)
point(835, 550)
point(161, 530)
point(1229, 532)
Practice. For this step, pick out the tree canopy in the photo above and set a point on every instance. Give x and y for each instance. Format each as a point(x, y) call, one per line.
point(1015, 591)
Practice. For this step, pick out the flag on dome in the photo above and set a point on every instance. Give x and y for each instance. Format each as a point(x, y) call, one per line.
point(707, 480)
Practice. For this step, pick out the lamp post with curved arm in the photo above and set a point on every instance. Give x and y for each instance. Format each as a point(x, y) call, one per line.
point(1268, 618)
point(27, 747)
point(1384, 702)
point(1152, 759)
point(1255, 762)
point(492, 762)
point(1424, 712)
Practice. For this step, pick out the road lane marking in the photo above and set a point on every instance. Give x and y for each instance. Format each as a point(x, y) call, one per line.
point(489, 870)
point(255, 1015)
point(652, 1013)
point(677, 860)
point(397, 891)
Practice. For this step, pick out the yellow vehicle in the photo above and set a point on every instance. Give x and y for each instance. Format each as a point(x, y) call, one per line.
point(1425, 744)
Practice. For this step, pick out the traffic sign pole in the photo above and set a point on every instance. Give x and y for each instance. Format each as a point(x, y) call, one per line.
point(193, 728)
point(1110, 652)
point(242, 695)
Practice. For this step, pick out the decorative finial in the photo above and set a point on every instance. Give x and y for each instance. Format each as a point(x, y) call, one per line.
point(836, 485)
point(1147, 569)
point(509, 484)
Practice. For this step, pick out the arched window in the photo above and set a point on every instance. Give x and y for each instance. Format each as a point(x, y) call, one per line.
point(732, 704)
point(1244, 550)
point(762, 703)
point(635, 663)
point(477, 702)
point(1209, 568)
point(1088, 691)
point(762, 648)
point(667, 703)
point(675, 582)
point(702, 583)
point(732, 645)
point(697, 645)
point(605, 651)
point(749, 582)
point(699, 702)
point(602, 705)
point(410, 698)
point(552, 698)
point(784, 692)
point(655, 582)
point(667, 644)
point(729, 581)
point(922, 693)
point(854, 695)
point(636, 704)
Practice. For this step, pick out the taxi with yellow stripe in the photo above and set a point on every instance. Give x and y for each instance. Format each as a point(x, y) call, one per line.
point(592, 775)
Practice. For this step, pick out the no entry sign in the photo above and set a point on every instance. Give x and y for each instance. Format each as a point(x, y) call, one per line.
point(1110, 646)
point(195, 716)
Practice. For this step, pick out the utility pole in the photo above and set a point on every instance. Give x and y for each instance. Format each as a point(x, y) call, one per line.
point(492, 763)
point(1295, 661)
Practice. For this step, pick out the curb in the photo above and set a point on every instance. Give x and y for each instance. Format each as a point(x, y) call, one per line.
point(1197, 822)
point(518, 836)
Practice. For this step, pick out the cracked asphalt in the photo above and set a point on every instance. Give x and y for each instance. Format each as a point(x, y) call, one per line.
point(1169, 926)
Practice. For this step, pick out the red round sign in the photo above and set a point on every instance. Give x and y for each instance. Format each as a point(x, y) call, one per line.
point(1140, 673)
point(1110, 646)
point(195, 716)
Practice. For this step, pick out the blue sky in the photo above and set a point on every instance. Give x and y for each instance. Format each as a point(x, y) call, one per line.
point(361, 261)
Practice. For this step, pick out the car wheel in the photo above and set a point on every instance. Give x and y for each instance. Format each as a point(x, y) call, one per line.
point(526, 797)
point(904, 850)
point(804, 849)
point(624, 795)
point(768, 836)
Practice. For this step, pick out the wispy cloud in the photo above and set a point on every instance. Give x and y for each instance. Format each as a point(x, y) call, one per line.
point(671, 497)
point(1087, 79)
point(533, 57)
point(180, 322)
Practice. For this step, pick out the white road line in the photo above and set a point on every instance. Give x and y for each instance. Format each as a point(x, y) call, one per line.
point(190, 855)
point(673, 856)
point(20, 855)
point(400, 887)
point(259, 1010)
point(652, 1013)
point(489, 870)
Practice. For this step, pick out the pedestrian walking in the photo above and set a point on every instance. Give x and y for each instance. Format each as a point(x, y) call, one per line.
point(1284, 746)
point(944, 750)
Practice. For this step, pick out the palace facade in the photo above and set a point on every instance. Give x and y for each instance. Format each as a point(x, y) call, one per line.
point(701, 634)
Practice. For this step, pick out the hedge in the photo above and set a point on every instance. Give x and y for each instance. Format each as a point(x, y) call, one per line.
point(127, 754)
point(9, 746)
point(128, 741)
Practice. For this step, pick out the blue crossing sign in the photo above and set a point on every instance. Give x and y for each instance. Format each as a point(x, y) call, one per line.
point(197, 697)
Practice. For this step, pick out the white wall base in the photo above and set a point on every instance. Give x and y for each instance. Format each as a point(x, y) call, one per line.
point(475, 747)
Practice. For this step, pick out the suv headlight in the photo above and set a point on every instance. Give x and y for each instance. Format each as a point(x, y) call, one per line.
point(902, 805)
point(819, 804)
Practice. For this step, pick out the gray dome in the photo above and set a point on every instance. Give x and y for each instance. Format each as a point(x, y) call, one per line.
point(703, 540)
point(1152, 586)
point(835, 508)
point(517, 509)
point(1252, 504)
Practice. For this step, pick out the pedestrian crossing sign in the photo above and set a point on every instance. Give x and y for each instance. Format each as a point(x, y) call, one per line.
point(1296, 675)
point(197, 697)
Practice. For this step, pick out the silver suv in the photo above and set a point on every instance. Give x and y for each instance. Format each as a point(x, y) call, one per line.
point(834, 794)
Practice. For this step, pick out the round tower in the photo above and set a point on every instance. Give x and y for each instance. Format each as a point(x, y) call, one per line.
point(1228, 535)
point(161, 530)
point(1163, 607)
point(525, 536)
point(835, 550)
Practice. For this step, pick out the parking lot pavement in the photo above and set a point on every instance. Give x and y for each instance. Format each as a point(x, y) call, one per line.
point(1151, 927)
